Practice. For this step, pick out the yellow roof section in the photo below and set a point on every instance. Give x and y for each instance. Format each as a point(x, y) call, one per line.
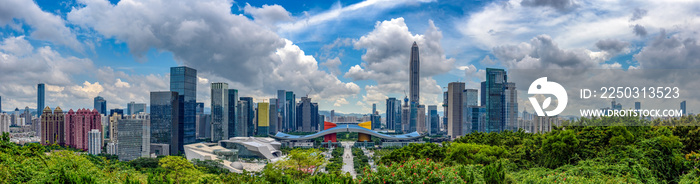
point(367, 125)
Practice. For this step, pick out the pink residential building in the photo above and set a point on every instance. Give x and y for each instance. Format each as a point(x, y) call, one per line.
point(77, 126)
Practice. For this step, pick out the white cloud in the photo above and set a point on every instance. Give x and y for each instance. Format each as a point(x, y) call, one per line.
point(44, 25)
point(268, 15)
point(205, 35)
point(121, 84)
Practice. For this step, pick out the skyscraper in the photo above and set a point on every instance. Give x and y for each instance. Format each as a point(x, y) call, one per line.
point(53, 127)
point(135, 108)
point(493, 89)
point(454, 109)
point(291, 111)
point(134, 137)
point(1, 105)
point(511, 107)
point(282, 110)
point(232, 112)
point(393, 114)
point(274, 117)
point(637, 105)
point(94, 142)
point(246, 113)
point(375, 118)
point(27, 116)
point(683, 108)
point(5, 122)
point(434, 120)
point(414, 74)
point(165, 120)
point(183, 80)
point(307, 115)
point(421, 124)
point(219, 111)
point(40, 98)
point(78, 125)
point(263, 118)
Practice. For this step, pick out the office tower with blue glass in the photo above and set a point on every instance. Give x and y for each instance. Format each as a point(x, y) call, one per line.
point(291, 118)
point(40, 97)
point(232, 112)
point(455, 119)
point(434, 127)
point(511, 107)
point(219, 111)
point(183, 80)
point(493, 91)
point(246, 117)
point(393, 114)
point(165, 120)
point(307, 115)
point(274, 117)
point(282, 110)
point(683, 108)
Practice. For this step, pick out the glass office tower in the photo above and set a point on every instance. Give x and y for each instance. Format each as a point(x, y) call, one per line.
point(165, 119)
point(40, 98)
point(183, 80)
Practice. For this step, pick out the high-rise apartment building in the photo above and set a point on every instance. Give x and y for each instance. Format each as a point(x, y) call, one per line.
point(52, 126)
point(183, 80)
point(219, 111)
point(4, 122)
point(94, 142)
point(78, 125)
point(165, 120)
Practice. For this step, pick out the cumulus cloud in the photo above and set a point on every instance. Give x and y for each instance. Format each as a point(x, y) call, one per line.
point(387, 51)
point(268, 15)
point(559, 5)
point(543, 52)
point(670, 52)
point(332, 65)
point(44, 25)
point(639, 30)
point(205, 35)
point(638, 14)
point(612, 45)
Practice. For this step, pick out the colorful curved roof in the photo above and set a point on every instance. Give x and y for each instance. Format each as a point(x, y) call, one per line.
point(348, 128)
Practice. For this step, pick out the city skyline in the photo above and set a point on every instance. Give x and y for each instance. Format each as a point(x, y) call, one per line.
point(346, 70)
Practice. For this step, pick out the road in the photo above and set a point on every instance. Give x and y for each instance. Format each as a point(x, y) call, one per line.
point(348, 165)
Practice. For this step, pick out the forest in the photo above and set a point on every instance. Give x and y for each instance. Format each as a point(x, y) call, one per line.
point(589, 150)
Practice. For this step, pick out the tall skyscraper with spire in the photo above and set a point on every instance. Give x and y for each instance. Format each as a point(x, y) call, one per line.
point(414, 74)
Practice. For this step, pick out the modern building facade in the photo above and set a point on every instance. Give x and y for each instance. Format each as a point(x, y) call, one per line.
point(4, 122)
point(219, 111)
point(53, 126)
point(40, 98)
point(414, 83)
point(246, 112)
point(393, 114)
point(263, 118)
point(291, 118)
point(94, 142)
point(183, 80)
point(511, 107)
point(454, 109)
point(100, 104)
point(78, 125)
point(307, 115)
point(232, 113)
point(434, 120)
point(134, 137)
point(135, 108)
point(282, 109)
point(493, 90)
point(165, 120)
point(683, 108)
point(273, 117)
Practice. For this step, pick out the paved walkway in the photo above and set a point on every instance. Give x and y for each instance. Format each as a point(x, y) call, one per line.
point(348, 165)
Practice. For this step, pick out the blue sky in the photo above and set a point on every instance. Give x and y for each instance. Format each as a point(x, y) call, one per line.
point(345, 54)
